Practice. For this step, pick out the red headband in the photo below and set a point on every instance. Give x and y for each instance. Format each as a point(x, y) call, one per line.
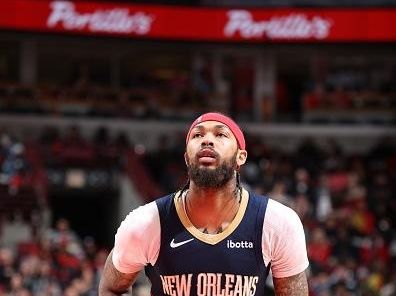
point(235, 129)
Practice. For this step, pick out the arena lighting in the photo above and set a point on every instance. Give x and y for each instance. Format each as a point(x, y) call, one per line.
point(80, 178)
point(199, 24)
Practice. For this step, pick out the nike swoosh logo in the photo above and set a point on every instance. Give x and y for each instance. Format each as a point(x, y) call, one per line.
point(175, 245)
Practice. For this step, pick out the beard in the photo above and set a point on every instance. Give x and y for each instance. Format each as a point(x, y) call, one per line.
point(212, 178)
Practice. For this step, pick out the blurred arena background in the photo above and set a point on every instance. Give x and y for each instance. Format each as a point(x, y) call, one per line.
point(96, 98)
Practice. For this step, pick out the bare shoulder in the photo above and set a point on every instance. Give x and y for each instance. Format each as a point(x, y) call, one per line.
point(114, 282)
point(293, 285)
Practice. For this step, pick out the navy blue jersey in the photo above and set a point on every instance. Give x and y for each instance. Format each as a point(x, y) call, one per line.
point(191, 263)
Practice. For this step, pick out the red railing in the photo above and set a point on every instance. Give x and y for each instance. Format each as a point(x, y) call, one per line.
point(141, 177)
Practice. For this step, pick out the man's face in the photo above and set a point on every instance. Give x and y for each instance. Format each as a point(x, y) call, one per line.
point(212, 155)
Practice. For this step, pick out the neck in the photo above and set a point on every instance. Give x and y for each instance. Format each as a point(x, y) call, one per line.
point(212, 208)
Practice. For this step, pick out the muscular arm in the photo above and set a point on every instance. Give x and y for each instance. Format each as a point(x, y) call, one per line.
point(114, 282)
point(295, 285)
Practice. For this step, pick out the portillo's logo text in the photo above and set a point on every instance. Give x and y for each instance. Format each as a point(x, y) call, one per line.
point(291, 26)
point(115, 20)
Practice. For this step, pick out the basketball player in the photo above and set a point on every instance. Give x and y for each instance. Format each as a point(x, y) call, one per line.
point(213, 237)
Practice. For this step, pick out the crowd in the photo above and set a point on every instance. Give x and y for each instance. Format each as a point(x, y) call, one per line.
point(36, 260)
point(69, 147)
point(13, 163)
point(352, 92)
point(146, 97)
point(182, 95)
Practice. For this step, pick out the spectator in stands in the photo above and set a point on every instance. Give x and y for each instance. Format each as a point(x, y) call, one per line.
point(7, 267)
point(315, 99)
point(13, 164)
point(389, 288)
point(15, 231)
point(319, 249)
point(322, 199)
point(45, 282)
point(64, 238)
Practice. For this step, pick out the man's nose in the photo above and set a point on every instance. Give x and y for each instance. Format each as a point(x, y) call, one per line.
point(207, 140)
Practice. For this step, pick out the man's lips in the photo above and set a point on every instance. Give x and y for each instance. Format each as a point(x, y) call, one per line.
point(207, 153)
point(207, 156)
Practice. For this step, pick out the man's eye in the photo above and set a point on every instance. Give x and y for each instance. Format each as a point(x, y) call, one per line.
point(197, 135)
point(221, 135)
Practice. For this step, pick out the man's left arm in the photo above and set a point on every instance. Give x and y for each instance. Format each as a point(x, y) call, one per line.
point(286, 250)
point(295, 285)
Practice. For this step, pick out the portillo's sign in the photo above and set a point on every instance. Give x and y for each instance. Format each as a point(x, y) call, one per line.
point(199, 24)
point(290, 26)
point(113, 20)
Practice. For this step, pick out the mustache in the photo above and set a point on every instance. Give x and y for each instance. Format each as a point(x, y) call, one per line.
point(208, 152)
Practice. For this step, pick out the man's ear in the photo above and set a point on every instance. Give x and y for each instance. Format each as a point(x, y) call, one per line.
point(186, 159)
point(241, 157)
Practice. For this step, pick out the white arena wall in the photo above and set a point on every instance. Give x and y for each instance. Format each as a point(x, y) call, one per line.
point(352, 138)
